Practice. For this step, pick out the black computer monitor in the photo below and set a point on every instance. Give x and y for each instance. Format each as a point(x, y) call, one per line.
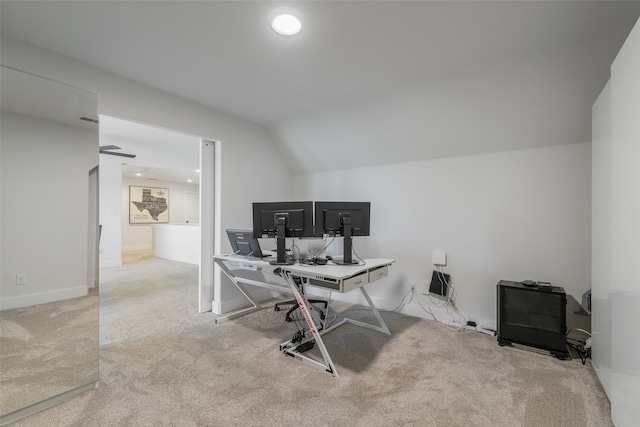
point(243, 243)
point(280, 220)
point(346, 219)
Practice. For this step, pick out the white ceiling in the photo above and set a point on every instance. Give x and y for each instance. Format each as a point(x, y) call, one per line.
point(223, 54)
point(161, 154)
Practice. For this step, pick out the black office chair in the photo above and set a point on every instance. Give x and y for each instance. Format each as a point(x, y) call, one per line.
point(295, 307)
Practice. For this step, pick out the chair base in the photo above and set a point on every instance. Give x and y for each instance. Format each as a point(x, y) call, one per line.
point(295, 307)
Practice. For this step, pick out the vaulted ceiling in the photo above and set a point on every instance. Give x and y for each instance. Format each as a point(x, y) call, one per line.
point(359, 72)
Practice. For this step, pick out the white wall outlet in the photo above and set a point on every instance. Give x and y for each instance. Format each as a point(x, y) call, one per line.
point(439, 257)
point(21, 279)
point(424, 285)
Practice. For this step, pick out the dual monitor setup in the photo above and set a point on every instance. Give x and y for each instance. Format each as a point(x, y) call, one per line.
point(281, 220)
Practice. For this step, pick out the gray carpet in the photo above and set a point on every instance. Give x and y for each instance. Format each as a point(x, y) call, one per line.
point(36, 359)
point(163, 364)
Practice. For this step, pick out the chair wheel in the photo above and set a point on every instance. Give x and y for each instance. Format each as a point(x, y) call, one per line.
point(322, 316)
point(288, 319)
point(276, 308)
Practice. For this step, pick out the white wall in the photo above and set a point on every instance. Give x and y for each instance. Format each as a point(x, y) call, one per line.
point(625, 213)
point(110, 211)
point(45, 193)
point(512, 215)
point(616, 231)
point(139, 236)
point(601, 254)
point(177, 242)
point(245, 146)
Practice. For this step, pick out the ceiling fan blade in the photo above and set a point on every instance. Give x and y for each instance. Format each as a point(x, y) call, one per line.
point(131, 156)
point(105, 149)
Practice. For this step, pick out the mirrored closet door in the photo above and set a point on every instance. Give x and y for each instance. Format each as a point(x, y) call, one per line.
point(49, 246)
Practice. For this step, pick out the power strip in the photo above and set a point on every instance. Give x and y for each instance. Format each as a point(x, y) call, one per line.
point(486, 331)
point(470, 328)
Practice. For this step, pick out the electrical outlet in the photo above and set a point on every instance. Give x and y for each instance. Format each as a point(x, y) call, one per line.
point(21, 279)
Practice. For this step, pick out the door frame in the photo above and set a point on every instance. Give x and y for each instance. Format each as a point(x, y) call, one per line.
point(210, 190)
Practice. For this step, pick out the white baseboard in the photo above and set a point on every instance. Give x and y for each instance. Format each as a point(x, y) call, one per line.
point(134, 248)
point(42, 297)
point(184, 259)
point(413, 309)
point(216, 307)
point(110, 262)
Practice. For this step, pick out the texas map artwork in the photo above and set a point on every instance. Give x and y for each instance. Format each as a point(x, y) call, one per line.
point(148, 205)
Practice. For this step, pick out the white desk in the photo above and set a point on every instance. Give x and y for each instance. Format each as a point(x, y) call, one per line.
point(231, 265)
point(335, 278)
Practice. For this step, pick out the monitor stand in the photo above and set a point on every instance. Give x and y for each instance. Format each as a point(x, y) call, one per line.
point(347, 259)
point(281, 240)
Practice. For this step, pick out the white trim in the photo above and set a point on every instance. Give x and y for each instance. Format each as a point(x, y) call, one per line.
point(413, 309)
point(217, 241)
point(144, 247)
point(42, 297)
point(47, 403)
point(208, 220)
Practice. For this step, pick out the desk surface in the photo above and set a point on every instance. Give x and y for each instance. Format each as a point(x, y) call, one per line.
point(331, 276)
point(336, 271)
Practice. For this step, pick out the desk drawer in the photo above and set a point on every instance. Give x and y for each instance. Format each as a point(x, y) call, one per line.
point(355, 282)
point(333, 285)
point(378, 273)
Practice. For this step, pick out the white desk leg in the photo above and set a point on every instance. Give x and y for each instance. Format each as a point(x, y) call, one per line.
point(243, 311)
point(289, 348)
point(381, 327)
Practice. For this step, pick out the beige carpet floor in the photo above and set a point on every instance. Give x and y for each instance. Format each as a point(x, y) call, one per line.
point(37, 360)
point(163, 364)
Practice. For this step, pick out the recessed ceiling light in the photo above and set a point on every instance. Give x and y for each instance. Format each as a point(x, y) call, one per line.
point(189, 180)
point(138, 174)
point(198, 170)
point(286, 24)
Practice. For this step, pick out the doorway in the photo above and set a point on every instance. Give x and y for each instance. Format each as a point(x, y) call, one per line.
point(159, 159)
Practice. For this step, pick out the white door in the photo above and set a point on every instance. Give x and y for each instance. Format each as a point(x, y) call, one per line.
point(192, 207)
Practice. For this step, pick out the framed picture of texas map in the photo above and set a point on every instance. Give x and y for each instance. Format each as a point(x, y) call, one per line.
point(148, 205)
